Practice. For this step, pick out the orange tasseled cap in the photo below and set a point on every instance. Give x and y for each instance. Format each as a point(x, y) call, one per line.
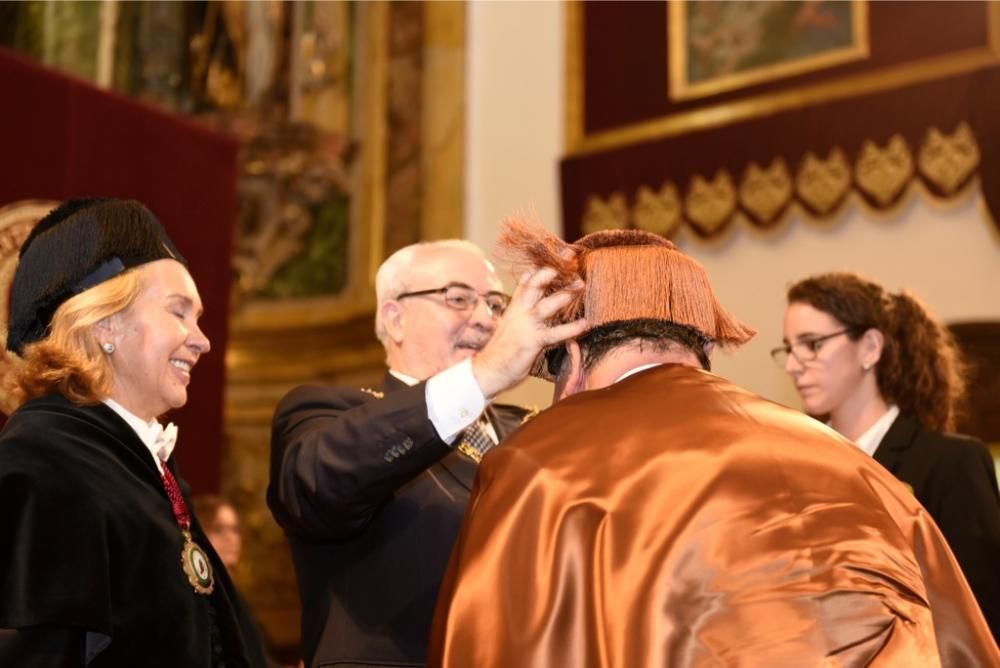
point(628, 275)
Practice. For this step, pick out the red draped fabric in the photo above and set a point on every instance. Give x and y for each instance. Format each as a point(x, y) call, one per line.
point(930, 67)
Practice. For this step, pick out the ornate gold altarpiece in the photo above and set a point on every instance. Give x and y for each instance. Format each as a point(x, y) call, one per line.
point(404, 182)
point(809, 106)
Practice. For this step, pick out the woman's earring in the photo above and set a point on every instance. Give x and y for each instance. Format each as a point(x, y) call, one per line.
point(108, 347)
point(866, 366)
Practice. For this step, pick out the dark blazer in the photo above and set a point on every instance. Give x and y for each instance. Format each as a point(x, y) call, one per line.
point(954, 478)
point(371, 501)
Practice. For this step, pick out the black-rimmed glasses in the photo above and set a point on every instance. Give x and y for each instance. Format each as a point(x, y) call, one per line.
point(463, 297)
point(805, 350)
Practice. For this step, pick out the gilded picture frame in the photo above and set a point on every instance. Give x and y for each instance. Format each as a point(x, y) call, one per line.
point(367, 186)
point(715, 46)
point(714, 114)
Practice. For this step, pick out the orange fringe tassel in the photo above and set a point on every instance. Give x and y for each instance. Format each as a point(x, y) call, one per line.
point(629, 274)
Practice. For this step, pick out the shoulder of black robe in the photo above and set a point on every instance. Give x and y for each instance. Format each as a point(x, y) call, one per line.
point(90, 542)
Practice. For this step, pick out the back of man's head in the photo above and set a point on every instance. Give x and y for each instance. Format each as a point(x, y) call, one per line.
point(639, 289)
point(661, 338)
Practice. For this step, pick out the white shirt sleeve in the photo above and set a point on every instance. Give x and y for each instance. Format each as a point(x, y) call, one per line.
point(454, 400)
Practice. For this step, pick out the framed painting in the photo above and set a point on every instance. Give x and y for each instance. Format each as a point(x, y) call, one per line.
point(716, 46)
point(757, 94)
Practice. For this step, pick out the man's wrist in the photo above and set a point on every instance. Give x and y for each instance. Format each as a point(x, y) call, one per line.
point(485, 378)
point(454, 399)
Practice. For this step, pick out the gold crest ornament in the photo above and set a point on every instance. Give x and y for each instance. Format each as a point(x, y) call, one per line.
point(16, 222)
point(709, 205)
point(533, 411)
point(194, 560)
point(470, 452)
point(823, 184)
point(883, 173)
point(765, 192)
point(948, 160)
point(612, 215)
point(659, 213)
point(197, 566)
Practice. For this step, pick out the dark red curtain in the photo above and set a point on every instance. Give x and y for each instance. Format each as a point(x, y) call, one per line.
point(61, 138)
point(624, 56)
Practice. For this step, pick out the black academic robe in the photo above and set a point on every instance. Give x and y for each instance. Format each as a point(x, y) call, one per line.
point(90, 555)
point(954, 479)
point(371, 500)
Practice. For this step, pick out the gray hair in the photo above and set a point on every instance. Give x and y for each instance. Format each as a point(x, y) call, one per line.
point(393, 276)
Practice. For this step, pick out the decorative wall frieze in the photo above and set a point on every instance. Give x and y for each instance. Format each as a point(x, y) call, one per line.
point(823, 184)
point(880, 173)
point(884, 172)
point(658, 212)
point(948, 161)
point(610, 214)
point(709, 205)
point(765, 192)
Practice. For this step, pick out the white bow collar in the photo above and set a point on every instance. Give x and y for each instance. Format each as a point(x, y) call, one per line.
point(164, 439)
point(159, 440)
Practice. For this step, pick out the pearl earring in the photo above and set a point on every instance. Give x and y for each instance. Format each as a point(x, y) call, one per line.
point(866, 366)
point(108, 347)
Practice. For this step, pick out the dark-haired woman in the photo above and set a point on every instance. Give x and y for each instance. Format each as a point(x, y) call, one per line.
point(889, 377)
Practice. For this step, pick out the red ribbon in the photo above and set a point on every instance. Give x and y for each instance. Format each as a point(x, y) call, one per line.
point(177, 503)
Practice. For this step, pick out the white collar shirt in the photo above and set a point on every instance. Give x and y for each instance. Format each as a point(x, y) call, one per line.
point(632, 372)
point(454, 401)
point(159, 440)
point(869, 441)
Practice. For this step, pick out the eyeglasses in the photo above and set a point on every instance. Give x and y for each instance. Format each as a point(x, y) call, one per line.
point(805, 350)
point(462, 297)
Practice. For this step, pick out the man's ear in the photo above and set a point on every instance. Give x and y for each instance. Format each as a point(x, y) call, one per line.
point(392, 318)
point(572, 378)
point(872, 345)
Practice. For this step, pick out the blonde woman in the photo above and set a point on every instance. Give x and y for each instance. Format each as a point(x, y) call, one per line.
point(102, 561)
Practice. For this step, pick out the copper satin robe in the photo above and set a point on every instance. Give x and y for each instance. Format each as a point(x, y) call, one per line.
point(674, 519)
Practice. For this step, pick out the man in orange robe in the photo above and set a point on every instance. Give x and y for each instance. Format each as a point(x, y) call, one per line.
point(659, 515)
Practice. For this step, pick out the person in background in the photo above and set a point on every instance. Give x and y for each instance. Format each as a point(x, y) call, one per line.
point(888, 376)
point(659, 515)
point(102, 562)
point(222, 526)
point(370, 484)
point(223, 529)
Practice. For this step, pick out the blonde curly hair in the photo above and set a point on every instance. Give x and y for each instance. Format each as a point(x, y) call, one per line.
point(69, 360)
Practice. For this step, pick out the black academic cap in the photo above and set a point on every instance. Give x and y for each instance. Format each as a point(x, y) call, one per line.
point(78, 245)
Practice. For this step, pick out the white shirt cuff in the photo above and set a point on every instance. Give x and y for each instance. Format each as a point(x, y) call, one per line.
point(454, 400)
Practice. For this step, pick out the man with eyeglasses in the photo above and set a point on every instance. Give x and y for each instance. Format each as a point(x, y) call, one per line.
point(659, 515)
point(370, 484)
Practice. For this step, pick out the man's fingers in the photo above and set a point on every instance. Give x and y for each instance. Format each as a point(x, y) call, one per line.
point(532, 286)
point(538, 278)
point(564, 332)
point(549, 306)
